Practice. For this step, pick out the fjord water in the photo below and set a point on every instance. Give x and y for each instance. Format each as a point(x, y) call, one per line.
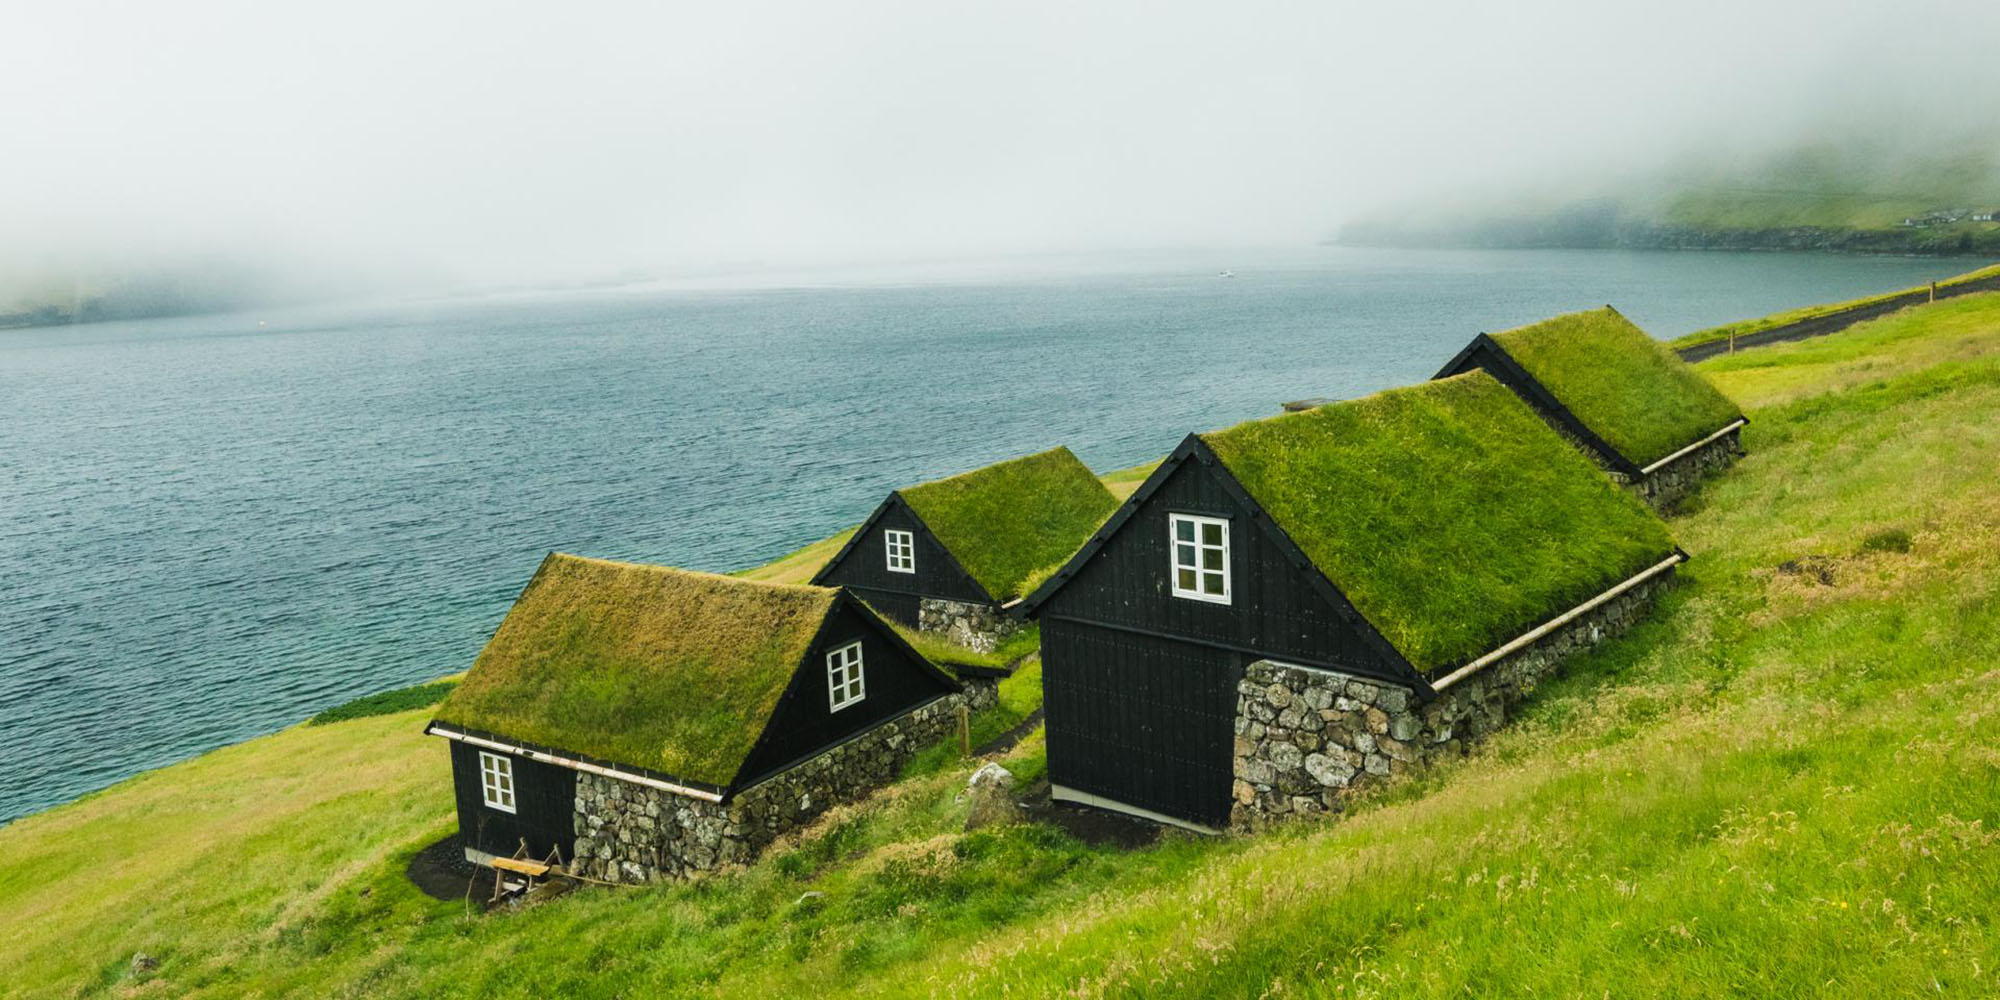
point(213, 527)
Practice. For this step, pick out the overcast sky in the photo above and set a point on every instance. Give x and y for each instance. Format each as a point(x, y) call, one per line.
point(544, 141)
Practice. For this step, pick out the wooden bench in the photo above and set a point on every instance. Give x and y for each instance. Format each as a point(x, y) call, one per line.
point(532, 869)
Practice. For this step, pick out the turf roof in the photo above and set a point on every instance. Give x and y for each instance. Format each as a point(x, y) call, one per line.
point(1450, 515)
point(649, 666)
point(1005, 521)
point(1628, 388)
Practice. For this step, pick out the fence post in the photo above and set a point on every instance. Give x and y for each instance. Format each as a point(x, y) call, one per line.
point(1933, 291)
point(964, 730)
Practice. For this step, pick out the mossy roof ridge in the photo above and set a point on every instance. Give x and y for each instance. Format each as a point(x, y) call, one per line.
point(1005, 521)
point(1450, 515)
point(655, 667)
point(1628, 388)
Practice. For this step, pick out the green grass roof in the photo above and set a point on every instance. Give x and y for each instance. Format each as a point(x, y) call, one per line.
point(1628, 388)
point(654, 667)
point(1006, 521)
point(1448, 513)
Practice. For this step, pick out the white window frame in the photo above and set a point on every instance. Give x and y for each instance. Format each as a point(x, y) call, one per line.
point(844, 680)
point(1174, 564)
point(496, 781)
point(900, 547)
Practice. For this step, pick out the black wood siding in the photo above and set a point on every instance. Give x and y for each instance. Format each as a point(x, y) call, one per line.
point(1144, 721)
point(803, 723)
point(544, 807)
point(1275, 609)
point(895, 607)
point(865, 567)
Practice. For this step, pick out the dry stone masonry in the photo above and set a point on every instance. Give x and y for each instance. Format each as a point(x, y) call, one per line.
point(633, 833)
point(1671, 483)
point(974, 626)
point(1305, 736)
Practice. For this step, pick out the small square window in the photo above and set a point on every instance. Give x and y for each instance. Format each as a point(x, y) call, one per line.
point(496, 781)
point(1200, 557)
point(902, 549)
point(843, 677)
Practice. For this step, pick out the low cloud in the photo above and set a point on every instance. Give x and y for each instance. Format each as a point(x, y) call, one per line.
point(458, 143)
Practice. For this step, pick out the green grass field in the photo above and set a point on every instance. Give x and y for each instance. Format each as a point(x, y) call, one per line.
point(1785, 784)
point(1866, 185)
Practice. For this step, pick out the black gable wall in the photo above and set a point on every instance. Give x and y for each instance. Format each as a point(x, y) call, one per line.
point(544, 807)
point(803, 724)
point(864, 568)
point(1275, 609)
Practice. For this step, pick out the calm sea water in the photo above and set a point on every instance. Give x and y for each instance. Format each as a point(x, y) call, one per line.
point(211, 528)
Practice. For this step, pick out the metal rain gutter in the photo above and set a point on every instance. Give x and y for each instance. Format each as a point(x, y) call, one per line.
point(576, 765)
point(1738, 422)
point(1555, 623)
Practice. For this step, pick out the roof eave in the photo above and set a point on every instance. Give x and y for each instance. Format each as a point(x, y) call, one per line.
point(1522, 641)
point(1030, 604)
point(576, 761)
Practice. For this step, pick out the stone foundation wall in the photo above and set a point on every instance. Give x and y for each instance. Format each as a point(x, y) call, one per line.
point(975, 626)
point(1305, 736)
point(980, 692)
point(1671, 483)
point(627, 832)
point(633, 833)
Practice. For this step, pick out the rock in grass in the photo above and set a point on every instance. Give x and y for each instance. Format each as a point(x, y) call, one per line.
point(991, 792)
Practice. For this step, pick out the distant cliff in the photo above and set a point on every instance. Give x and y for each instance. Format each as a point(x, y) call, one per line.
point(63, 296)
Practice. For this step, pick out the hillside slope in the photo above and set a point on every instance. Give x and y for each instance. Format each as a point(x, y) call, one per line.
point(1858, 195)
point(1783, 785)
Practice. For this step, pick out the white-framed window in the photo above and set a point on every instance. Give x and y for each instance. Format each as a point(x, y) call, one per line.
point(1200, 557)
point(496, 781)
point(843, 677)
point(902, 549)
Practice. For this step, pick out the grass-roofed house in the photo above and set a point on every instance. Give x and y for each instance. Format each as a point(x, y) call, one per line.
point(641, 722)
point(1292, 605)
point(949, 556)
point(1622, 397)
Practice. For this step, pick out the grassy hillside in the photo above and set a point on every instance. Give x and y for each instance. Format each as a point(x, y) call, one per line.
point(799, 566)
point(1850, 194)
point(1839, 186)
point(1784, 785)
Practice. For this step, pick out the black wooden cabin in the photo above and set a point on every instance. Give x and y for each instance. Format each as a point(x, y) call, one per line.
point(1139, 681)
point(700, 684)
point(1621, 397)
point(1147, 630)
point(923, 566)
point(972, 539)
